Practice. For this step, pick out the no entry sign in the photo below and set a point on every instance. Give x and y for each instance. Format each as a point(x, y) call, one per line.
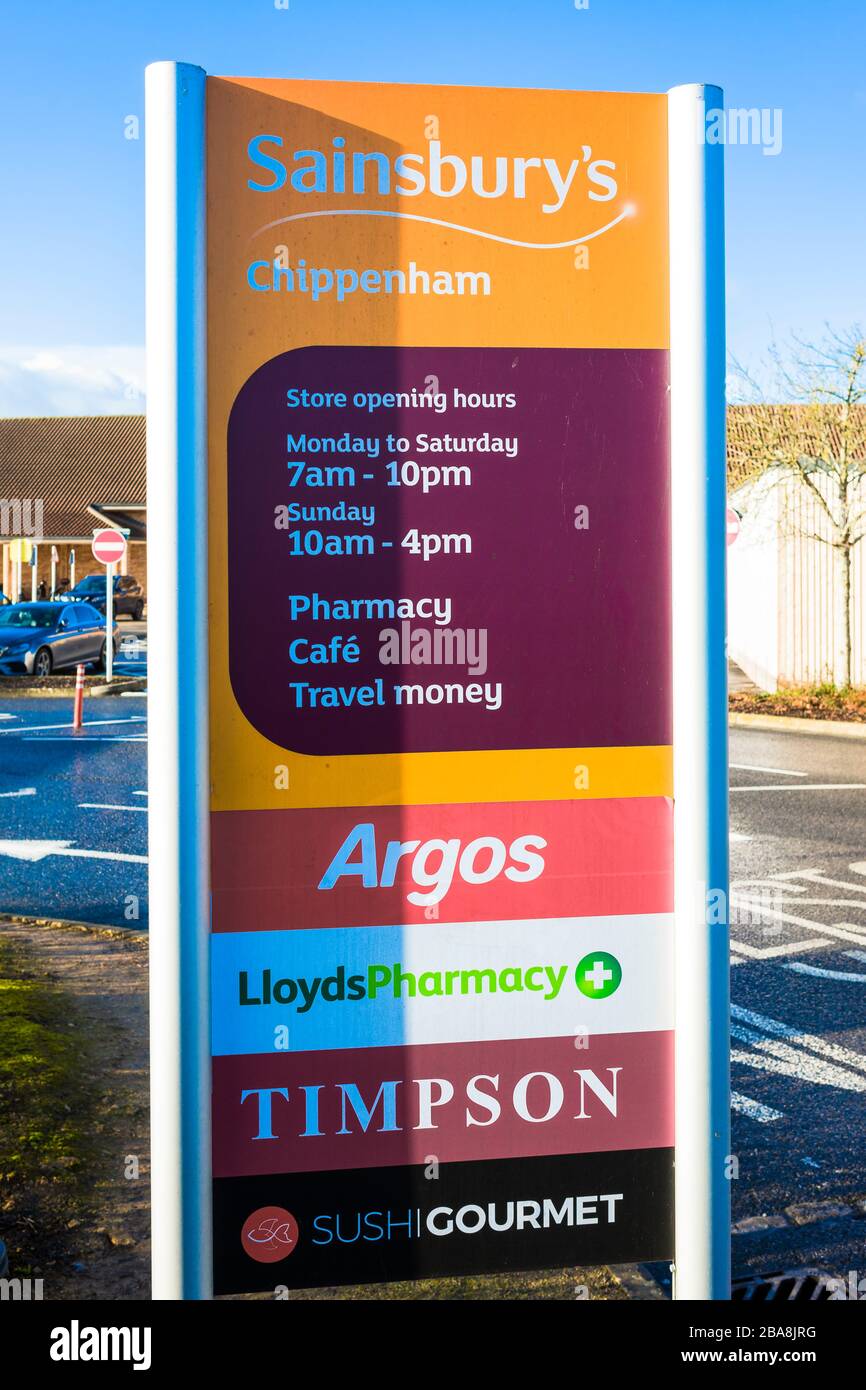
point(108, 546)
point(458, 468)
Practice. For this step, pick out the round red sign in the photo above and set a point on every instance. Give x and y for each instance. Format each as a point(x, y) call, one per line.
point(108, 547)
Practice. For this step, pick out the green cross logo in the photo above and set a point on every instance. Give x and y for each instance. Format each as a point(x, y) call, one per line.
point(598, 975)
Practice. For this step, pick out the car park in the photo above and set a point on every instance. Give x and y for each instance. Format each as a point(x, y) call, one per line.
point(39, 638)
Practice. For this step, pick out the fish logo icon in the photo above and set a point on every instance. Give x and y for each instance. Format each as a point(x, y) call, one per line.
point(270, 1234)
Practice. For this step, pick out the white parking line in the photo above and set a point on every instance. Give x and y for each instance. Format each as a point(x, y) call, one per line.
point(816, 876)
point(757, 905)
point(819, 902)
point(75, 740)
point(806, 787)
point(24, 791)
point(773, 952)
point(784, 1060)
point(799, 1066)
point(751, 767)
point(33, 851)
point(764, 1114)
point(108, 806)
point(850, 976)
point(844, 1055)
point(90, 723)
point(855, 955)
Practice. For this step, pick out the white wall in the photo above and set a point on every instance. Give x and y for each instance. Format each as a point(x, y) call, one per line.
point(784, 591)
point(753, 587)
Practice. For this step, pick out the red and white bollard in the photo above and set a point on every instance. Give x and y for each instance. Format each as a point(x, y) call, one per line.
point(78, 706)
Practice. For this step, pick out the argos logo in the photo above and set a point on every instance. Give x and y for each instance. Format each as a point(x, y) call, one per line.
point(434, 863)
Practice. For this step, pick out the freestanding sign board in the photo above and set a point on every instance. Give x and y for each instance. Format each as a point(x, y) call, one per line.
point(431, 896)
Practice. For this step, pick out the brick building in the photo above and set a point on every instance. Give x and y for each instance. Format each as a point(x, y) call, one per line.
point(61, 478)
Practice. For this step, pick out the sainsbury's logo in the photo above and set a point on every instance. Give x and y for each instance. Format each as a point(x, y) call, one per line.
point(338, 170)
point(433, 863)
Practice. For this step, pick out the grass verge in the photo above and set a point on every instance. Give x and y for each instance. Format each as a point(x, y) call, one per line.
point(804, 702)
point(46, 1118)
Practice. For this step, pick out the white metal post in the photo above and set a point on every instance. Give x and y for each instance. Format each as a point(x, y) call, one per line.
point(702, 1204)
point(177, 660)
point(109, 623)
point(34, 570)
point(72, 569)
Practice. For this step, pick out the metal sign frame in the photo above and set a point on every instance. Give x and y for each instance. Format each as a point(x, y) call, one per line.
point(178, 661)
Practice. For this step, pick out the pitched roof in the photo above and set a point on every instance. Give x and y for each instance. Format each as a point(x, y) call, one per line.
point(73, 463)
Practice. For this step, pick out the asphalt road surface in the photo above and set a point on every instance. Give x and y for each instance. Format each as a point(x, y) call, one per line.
point(798, 987)
point(73, 810)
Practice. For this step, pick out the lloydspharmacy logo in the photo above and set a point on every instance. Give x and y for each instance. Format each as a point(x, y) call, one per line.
point(597, 976)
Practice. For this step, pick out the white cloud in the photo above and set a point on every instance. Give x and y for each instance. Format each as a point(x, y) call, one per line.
point(71, 380)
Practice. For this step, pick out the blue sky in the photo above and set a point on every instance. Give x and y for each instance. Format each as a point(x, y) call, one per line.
point(71, 234)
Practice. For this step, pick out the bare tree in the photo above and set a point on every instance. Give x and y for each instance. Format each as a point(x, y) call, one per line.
point(818, 440)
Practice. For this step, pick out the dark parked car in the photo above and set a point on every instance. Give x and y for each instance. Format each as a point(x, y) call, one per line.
point(128, 594)
point(38, 638)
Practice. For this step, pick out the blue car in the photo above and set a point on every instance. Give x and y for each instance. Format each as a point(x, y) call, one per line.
point(38, 638)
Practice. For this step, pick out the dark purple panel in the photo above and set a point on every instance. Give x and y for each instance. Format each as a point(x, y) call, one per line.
point(577, 621)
